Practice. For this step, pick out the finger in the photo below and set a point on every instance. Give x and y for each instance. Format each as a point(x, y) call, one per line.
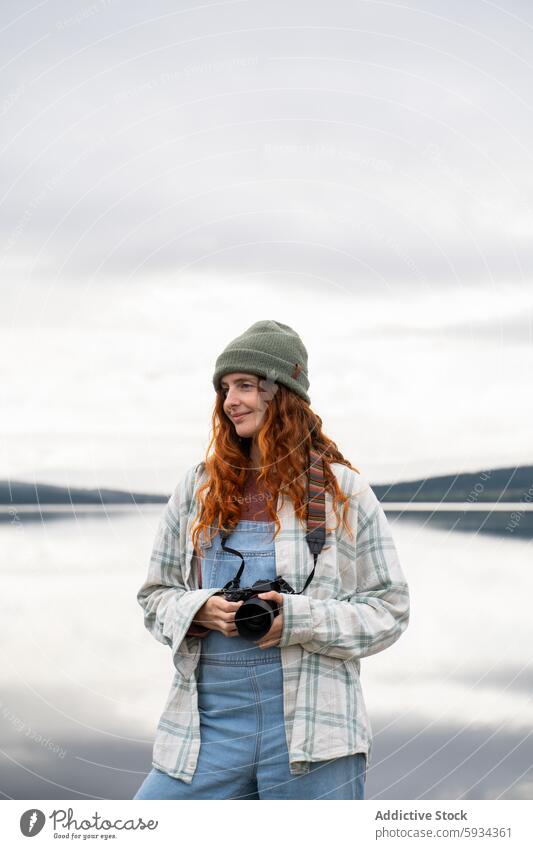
point(228, 617)
point(228, 605)
point(272, 596)
point(232, 605)
point(223, 617)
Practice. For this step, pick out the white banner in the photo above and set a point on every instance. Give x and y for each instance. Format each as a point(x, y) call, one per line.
point(158, 823)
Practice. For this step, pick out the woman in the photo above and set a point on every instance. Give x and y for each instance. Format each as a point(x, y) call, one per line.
point(281, 716)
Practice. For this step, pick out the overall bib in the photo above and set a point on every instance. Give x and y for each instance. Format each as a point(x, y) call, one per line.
point(243, 752)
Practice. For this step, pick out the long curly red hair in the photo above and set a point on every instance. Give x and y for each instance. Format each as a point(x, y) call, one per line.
point(288, 430)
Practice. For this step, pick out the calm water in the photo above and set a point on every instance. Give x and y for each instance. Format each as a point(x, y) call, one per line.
point(83, 684)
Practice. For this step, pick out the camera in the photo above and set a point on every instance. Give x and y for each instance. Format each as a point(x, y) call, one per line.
point(256, 616)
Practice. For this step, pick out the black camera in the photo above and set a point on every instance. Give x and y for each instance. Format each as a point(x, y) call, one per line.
point(256, 616)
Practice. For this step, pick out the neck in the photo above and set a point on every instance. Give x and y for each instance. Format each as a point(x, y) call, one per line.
point(254, 455)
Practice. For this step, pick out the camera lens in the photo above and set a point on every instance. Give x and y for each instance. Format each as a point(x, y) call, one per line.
point(254, 618)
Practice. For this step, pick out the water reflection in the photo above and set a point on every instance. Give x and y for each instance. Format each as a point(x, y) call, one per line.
point(83, 683)
point(502, 521)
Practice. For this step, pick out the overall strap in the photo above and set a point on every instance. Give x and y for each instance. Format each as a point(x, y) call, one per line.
point(316, 509)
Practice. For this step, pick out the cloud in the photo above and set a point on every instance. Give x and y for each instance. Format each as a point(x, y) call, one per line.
point(382, 150)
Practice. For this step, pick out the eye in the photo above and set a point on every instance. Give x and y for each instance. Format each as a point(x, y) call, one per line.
point(245, 385)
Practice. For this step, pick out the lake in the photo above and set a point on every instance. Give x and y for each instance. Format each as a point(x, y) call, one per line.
point(83, 683)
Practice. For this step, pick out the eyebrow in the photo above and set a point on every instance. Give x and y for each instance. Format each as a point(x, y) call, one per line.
point(239, 380)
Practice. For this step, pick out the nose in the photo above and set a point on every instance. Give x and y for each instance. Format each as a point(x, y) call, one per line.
point(231, 399)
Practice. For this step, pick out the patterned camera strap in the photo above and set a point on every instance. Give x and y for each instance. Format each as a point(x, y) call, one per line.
point(316, 509)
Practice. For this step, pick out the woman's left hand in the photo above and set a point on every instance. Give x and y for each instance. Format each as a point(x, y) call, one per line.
point(272, 637)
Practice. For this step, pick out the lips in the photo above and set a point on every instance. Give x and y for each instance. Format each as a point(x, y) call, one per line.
point(239, 418)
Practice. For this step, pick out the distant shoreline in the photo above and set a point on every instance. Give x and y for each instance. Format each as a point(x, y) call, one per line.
point(20, 493)
point(512, 486)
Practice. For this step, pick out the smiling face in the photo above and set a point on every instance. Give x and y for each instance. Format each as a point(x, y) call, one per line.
point(244, 403)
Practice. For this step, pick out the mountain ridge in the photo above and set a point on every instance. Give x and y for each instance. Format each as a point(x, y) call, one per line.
point(509, 484)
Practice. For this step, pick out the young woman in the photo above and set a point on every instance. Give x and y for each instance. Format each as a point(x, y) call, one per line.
point(281, 716)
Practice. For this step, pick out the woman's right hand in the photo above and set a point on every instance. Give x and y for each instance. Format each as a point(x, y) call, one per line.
point(218, 615)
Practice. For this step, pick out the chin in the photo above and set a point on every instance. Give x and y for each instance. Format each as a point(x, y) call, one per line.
point(245, 434)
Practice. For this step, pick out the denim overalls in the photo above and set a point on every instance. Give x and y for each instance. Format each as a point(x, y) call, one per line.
point(243, 752)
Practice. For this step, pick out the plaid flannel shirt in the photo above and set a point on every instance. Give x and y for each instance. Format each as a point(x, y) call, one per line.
point(356, 605)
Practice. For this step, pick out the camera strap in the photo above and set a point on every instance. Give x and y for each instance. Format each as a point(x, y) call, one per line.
point(316, 510)
point(316, 520)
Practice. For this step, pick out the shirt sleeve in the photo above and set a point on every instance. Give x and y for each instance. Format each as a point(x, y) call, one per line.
point(196, 630)
point(169, 607)
point(372, 618)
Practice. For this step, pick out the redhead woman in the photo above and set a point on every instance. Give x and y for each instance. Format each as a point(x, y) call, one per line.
point(266, 700)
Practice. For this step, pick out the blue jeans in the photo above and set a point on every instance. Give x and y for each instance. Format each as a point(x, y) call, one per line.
point(243, 752)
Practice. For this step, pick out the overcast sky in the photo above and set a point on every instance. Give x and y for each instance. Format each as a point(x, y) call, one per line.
point(358, 170)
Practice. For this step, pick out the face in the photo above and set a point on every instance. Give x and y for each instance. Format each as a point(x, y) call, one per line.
point(244, 402)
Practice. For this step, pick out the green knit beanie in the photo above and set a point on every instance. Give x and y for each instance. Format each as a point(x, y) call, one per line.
point(270, 350)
